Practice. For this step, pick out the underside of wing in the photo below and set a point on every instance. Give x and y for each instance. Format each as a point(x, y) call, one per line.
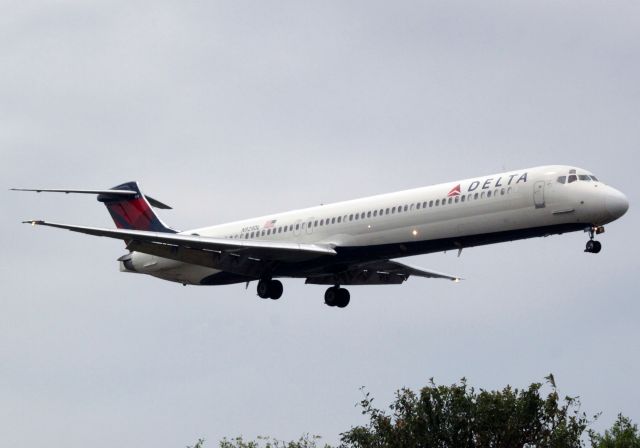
point(384, 272)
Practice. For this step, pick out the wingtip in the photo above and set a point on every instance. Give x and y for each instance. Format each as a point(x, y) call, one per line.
point(33, 222)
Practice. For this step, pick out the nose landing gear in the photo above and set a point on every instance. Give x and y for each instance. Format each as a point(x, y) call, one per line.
point(594, 247)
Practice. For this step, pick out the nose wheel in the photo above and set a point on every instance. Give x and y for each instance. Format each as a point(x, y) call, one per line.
point(593, 246)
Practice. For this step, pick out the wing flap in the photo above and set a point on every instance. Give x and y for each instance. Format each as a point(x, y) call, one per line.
point(384, 272)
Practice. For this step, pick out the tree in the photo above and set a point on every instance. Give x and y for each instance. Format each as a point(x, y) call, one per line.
point(305, 441)
point(458, 416)
point(623, 434)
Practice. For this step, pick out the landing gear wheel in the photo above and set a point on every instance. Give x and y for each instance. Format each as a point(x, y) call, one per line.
point(590, 245)
point(264, 289)
point(343, 298)
point(336, 296)
point(270, 289)
point(331, 296)
point(275, 287)
point(593, 247)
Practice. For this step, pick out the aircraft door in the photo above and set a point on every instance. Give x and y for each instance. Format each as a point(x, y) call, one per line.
point(538, 194)
point(309, 226)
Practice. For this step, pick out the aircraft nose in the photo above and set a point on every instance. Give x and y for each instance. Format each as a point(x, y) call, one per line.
point(616, 203)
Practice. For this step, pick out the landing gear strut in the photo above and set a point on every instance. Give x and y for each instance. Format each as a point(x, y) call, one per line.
point(337, 296)
point(593, 246)
point(270, 289)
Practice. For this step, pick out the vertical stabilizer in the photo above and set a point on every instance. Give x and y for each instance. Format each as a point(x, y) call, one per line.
point(132, 212)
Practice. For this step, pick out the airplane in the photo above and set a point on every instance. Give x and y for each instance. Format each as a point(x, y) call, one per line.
point(355, 242)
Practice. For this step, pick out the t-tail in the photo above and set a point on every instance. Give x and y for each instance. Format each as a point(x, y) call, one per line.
point(129, 208)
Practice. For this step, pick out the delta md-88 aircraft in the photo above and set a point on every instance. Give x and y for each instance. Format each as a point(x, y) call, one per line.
point(355, 242)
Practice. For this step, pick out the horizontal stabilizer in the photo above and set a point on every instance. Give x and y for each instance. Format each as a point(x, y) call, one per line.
point(110, 193)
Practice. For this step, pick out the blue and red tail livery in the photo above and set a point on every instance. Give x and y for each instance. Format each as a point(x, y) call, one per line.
point(132, 212)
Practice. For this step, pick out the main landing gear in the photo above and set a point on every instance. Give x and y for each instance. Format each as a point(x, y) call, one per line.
point(593, 246)
point(270, 289)
point(337, 296)
point(334, 296)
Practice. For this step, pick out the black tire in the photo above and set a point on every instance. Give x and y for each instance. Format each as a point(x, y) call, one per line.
point(597, 247)
point(264, 289)
point(331, 296)
point(275, 289)
point(343, 298)
point(590, 246)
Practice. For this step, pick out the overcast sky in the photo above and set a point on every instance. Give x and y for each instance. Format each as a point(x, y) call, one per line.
point(227, 110)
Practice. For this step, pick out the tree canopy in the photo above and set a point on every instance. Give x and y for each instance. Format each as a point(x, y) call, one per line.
point(462, 417)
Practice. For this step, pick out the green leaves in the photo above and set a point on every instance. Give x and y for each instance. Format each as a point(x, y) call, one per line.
point(458, 416)
point(623, 434)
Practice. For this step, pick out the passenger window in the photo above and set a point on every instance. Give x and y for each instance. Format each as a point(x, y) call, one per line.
point(475, 196)
point(315, 223)
point(362, 215)
point(246, 236)
point(297, 226)
point(339, 219)
point(450, 200)
point(502, 191)
point(462, 198)
point(381, 212)
point(417, 206)
point(386, 212)
point(573, 178)
point(393, 210)
point(489, 193)
point(437, 202)
point(431, 203)
point(406, 207)
point(457, 199)
point(424, 204)
point(562, 179)
point(375, 213)
point(333, 220)
point(350, 217)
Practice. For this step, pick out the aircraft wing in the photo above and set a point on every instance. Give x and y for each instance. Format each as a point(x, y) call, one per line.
point(384, 272)
point(181, 247)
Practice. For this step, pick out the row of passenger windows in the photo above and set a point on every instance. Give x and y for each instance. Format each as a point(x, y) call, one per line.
point(375, 213)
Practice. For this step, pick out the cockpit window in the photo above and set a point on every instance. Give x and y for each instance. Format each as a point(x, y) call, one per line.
point(562, 179)
point(594, 178)
point(584, 177)
point(573, 178)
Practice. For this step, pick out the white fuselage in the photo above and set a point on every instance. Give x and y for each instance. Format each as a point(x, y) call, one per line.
point(515, 204)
